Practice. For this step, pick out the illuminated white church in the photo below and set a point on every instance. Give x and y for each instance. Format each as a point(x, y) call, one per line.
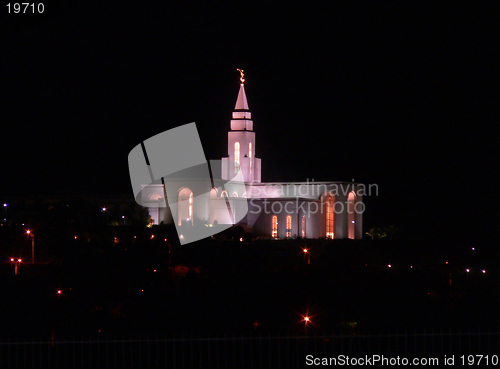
point(235, 194)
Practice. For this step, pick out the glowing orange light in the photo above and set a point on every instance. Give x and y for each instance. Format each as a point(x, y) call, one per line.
point(152, 236)
point(446, 262)
point(142, 290)
point(306, 319)
point(76, 237)
point(11, 259)
point(467, 270)
point(154, 270)
point(484, 271)
point(59, 292)
point(165, 240)
point(241, 239)
point(19, 260)
point(390, 266)
point(305, 250)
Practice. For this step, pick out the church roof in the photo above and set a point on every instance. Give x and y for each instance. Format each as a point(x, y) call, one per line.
point(241, 102)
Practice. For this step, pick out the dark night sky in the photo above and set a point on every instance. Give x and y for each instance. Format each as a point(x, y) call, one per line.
point(395, 94)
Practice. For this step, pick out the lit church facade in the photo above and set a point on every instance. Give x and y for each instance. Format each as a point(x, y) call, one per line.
point(235, 194)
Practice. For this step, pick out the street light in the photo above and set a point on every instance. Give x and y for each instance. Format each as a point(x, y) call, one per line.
point(15, 261)
point(123, 216)
point(307, 254)
point(30, 234)
point(306, 319)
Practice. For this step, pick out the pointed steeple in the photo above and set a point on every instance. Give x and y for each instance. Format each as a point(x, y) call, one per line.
point(241, 102)
point(242, 118)
point(241, 142)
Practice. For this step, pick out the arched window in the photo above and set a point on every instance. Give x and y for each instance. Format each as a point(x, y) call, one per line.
point(250, 155)
point(244, 195)
point(274, 232)
point(236, 157)
point(213, 193)
point(224, 194)
point(329, 218)
point(185, 207)
point(235, 194)
point(288, 226)
point(351, 215)
point(303, 226)
point(190, 206)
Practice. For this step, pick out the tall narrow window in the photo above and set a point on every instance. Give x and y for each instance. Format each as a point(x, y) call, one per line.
point(190, 206)
point(274, 232)
point(303, 226)
point(329, 217)
point(236, 157)
point(185, 207)
point(250, 154)
point(288, 226)
point(351, 215)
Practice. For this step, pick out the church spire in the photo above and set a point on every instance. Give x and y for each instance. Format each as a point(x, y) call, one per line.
point(241, 102)
point(241, 141)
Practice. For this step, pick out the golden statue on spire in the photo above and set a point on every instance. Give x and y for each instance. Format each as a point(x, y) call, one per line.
point(242, 75)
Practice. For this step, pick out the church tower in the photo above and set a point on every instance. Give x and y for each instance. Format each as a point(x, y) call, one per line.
point(241, 142)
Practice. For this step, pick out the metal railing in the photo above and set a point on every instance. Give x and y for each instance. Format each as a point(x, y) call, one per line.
point(253, 351)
